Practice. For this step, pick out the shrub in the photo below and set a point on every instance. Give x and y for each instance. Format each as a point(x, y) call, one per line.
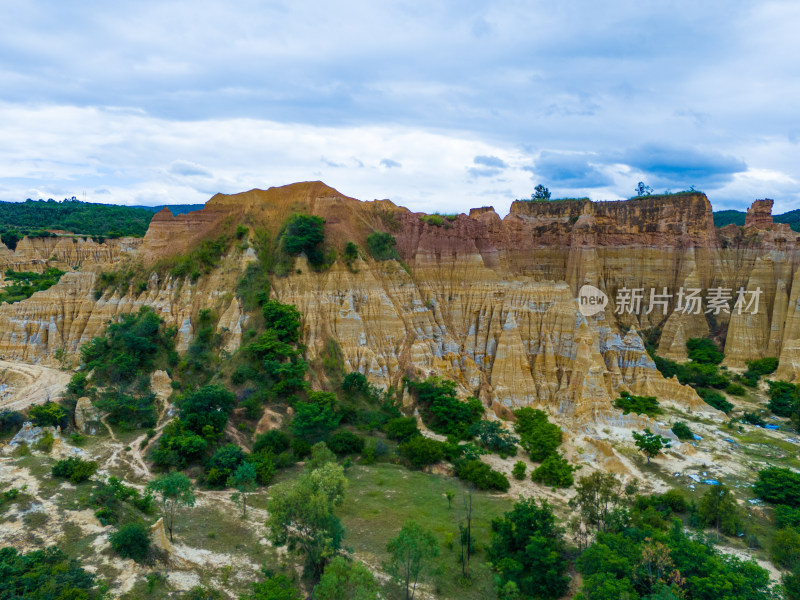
point(493, 436)
point(641, 405)
point(129, 411)
point(715, 399)
point(44, 574)
point(10, 420)
point(481, 475)
point(778, 485)
point(131, 541)
point(381, 246)
point(305, 234)
point(223, 464)
point(420, 451)
point(734, 389)
point(441, 410)
point(434, 220)
point(682, 431)
point(264, 464)
point(786, 548)
point(274, 440)
point(48, 414)
point(753, 419)
point(345, 442)
point(401, 428)
point(554, 471)
point(314, 419)
point(208, 406)
point(537, 435)
point(704, 351)
point(45, 443)
point(519, 470)
point(74, 469)
point(300, 448)
point(763, 366)
point(783, 398)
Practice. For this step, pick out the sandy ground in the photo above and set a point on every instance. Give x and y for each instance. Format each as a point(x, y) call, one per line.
point(22, 384)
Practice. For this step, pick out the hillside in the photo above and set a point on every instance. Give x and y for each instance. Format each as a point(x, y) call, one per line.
point(439, 367)
point(736, 217)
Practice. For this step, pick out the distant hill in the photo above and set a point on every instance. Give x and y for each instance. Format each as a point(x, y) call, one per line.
point(736, 217)
point(175, 209)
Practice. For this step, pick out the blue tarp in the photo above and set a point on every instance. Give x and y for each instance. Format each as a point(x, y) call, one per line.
point(697, 437)
point(771, 427)
point(711, 481)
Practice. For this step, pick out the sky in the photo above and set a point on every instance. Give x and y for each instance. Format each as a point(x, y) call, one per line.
point(438, 106)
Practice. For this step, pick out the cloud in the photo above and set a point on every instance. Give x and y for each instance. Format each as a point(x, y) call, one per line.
point(186, 168)
point(571, 171)
point(490, 161)
point(390, 164)
point(683, 165)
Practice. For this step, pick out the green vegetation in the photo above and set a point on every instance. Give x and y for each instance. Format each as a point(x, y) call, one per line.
point(381, 246)
point(682, 431)
point(25, 284)
point(202, 259)
point(105, 220)
point(540, 194)
point(783, 398)
point(780, 486)
point(481, 475)
point(538, 436)
point(554, 471)
point(420, 451)
point(74, 469)
point(640, 405)
point(704, 351)
point(435, 220)
point(304, 234)
point(346, 579)
point(410, 553)
point(494, 437)
point(441, 410)
point(519, 470)
point(43, 574)
point(718, 509)
point(650, 443)
point(528, 552)
point(48, 414)
point(173, 492)
point(131, 541)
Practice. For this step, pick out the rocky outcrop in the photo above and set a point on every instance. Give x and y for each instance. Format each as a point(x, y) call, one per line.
point(86, 416)
point(759, 215)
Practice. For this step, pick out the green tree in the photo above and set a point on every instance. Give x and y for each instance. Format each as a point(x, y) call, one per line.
point(208, 406)
point(718, 509)
point(316, 418)
point(346, 580)
point(381, 246)
point(650, 443)
point(274, 587)
point(519, 470)
point(174, 491)
point(704, 351)
point(682, 431)
point(783, 398)
point(244, 480)
point(540, 194)
point(601, 501)
point(301, 515)
point(44, 574)
point(554, 471)
point(305, 234)
point(786, 548)
point(131, 541)
point(48, 414)
point(537, 435)
point(410, 553)
point(528, 548)
point(778, 485)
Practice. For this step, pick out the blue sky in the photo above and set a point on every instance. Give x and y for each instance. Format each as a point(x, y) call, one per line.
point(435, 105)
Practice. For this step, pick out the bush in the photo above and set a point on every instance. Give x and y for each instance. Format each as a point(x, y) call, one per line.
point(274, 440)
point(786, 548)
point(300, 448)
point(715, 399)
point(734, 389)
point(778, 485)
point(494, 437)
point(537, 435)
point(48, 414)
point(420, 451)
point(314, 419)
point(74, 469)
point(481, 475)
point(704, 351)
point(441, 410)
point(127, 410)
point(682, 431)
point(554, 471)
point(783, 398)
point(305, 234)
point(208, 406)
point(10, 420)
point(345, 442)
point(44, 574)
point(641, 405)
point(264, 464)
point(753, 419)
point(381, 246)
point(131, 541)
point(401, 428)
point(223, 464)
point(519, 470)
point(763, 366)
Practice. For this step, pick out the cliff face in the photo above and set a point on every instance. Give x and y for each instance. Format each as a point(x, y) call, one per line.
point(489, 302)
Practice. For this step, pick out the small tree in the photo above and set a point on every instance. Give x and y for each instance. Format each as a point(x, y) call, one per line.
point(540, 194)
point(174, 490)
point(650, 443)
point(131, 541)
point(244, 480)
point(410, 552)
point(718, 508)
point(519, 470)
point(346, 579)
point(643, 189)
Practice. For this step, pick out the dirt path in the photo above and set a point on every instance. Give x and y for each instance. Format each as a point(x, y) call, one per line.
point(22, 384)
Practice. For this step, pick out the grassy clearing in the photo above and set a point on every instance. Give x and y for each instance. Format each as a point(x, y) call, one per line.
point(382, 496)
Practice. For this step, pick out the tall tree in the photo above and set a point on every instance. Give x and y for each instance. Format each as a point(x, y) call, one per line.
point(346, 580)
point(174, 490)
point(301, 515)
point(650, 443)
point(244, 480)
point(410, 552)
